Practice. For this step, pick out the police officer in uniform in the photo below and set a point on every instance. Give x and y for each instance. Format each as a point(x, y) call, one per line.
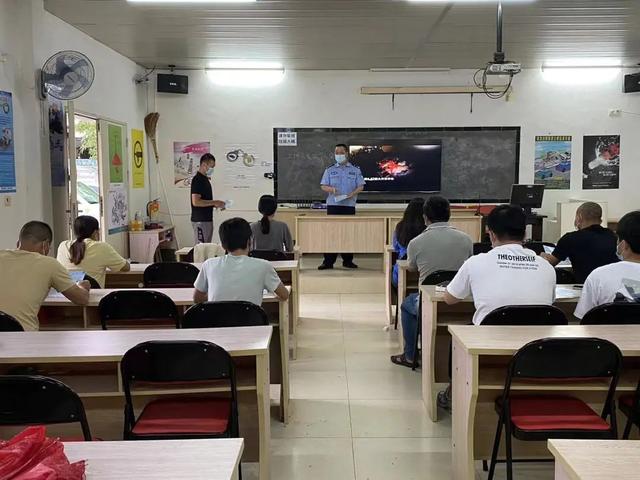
point(343, 182)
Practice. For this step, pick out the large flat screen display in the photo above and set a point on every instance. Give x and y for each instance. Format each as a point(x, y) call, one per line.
point(399, 166)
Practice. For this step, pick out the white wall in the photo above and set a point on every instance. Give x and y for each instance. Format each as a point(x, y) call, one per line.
point(225, 115)
point(30, 35)
point(17, 76)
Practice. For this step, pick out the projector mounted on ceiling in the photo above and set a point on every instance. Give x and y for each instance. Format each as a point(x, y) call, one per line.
point(499, 65)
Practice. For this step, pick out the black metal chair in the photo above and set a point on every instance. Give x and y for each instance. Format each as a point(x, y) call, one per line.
point(618, 313)
point(434, 278)
point(272, 255)
point(523, 315)
point(540, 417)
point(564, 276)
point(133, 308)
point(630, 406)
point(179, 365)
point(9, 324)
point(170, 275)
point(92, 282)
point(224, 314)
point(36, 400)
point(481, 247)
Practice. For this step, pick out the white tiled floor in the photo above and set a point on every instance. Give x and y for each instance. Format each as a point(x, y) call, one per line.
point(355, 415)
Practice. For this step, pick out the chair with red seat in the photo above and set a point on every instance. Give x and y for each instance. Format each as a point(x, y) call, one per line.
point(37, 400)
point(170, 275)
point(630, 406)
point(135, 308)
point(541, 417)
point(9, 324)
point(179, 365)
point(616, 313)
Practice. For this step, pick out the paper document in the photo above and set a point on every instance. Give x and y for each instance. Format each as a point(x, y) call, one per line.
point(340, 198)
point(77, 276)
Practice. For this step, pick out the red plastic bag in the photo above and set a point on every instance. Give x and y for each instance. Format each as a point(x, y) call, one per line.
point(30, 455)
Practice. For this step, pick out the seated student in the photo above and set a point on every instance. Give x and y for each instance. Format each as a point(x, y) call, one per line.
point(270, 234)
point(439, 247)
point(236, 276)
point(592, 246)
point(605, 282)
point(411, 225)
point(27, 275)
point(88, 254)
point(509, 274)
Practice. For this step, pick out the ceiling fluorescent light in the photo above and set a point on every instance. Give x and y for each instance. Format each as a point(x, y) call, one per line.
point(191, 1)
point(245, 73)
point(581, 72)
point(410, 69)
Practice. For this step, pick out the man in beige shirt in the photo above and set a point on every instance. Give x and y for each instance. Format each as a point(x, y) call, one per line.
point(28, 273)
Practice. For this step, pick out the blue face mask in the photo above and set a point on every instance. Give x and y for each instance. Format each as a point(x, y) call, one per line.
point(340, 159)
point(210, 172)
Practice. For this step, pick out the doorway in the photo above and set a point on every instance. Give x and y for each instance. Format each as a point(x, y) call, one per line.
point(85, 192)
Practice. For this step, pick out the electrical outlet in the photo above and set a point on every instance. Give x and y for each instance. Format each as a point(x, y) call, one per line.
point(7, 201)
point(615, 112)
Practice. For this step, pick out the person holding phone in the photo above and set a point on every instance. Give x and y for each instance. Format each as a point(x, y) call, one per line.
point(342, 182)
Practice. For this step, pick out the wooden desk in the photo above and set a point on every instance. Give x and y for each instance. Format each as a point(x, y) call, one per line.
point(480, 357)
point(159, 459)
point(340, 234)
point(288, 270)
point(437, 316)
point(143, 245)
point(88, 361)
point(183, 297)
point(388, 260)
point(596, 459)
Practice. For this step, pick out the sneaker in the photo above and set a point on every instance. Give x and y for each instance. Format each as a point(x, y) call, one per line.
point(325, 267)
point(349, 265)
point(444, 399)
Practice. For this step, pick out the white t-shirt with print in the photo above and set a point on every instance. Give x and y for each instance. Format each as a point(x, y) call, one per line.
point(507, 275)
point(603, 283)
point(237, 278)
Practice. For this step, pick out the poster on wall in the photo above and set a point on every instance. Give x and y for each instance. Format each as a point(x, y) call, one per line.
point(243, 166)
point(56, 143)
point(186, 160)
point(116, 153)
point(601, 162)
point(7, 153)
point(117, 209)
point(553, 162)
point(137, 159)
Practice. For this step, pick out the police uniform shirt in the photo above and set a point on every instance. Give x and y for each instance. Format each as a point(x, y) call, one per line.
point(345, 179)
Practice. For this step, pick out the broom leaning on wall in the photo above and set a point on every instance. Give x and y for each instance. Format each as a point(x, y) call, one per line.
point(151, 127)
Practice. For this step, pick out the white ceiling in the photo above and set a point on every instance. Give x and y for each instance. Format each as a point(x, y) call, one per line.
point(358, 34)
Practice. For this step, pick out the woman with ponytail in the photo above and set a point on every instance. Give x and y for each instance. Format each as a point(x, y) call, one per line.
point(86, 253)
point(270, 234)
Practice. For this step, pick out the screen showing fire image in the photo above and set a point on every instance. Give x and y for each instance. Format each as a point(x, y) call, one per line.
point(399, 166)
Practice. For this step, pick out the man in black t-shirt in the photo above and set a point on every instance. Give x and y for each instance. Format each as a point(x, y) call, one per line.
point(202, 202)
point(592, 246)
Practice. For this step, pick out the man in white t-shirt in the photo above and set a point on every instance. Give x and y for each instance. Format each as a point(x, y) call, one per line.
point(604, 283)
point(236, 276)
point(509, 274)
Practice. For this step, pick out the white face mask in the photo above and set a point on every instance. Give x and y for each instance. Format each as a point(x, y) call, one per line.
point(620, 257)
point(210, 172)
point(341, 158)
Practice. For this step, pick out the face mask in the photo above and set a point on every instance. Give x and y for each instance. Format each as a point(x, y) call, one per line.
point(619, 255)
point(210, 172)
point(340, 159)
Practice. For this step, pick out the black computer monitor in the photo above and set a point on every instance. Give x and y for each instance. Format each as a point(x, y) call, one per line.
point(527, 196)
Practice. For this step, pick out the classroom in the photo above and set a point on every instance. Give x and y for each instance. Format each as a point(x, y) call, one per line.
point(319, 239)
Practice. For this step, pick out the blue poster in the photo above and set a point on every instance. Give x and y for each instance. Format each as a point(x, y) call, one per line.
point(7, 154)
